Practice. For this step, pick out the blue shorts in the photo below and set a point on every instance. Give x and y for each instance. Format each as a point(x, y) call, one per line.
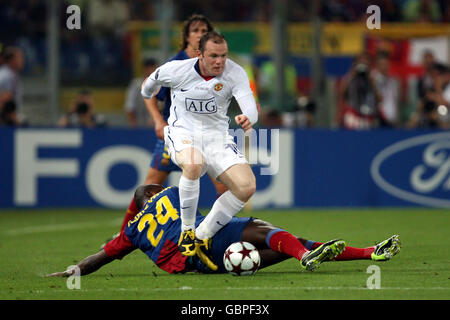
point(229, 234)
point(161, 160)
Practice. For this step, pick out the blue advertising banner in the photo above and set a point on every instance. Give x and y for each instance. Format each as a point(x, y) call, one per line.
point(372, 168)
point(49, 167)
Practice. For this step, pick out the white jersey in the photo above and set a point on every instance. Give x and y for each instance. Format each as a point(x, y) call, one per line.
point(199, 105)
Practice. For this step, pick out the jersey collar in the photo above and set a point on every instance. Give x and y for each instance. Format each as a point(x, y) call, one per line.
point(197, 68)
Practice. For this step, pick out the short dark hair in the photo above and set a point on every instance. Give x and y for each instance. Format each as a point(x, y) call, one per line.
point(144, 193)
point(214, 36)
point(187, 24)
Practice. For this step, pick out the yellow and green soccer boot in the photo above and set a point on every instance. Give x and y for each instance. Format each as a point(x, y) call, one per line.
point(386, 249)
point(325, 252)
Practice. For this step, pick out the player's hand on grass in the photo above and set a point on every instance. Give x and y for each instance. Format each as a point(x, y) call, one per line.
point(243, 121)
point(62, 274)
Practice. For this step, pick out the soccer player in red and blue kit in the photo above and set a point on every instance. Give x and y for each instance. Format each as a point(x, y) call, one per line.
point(155, 230)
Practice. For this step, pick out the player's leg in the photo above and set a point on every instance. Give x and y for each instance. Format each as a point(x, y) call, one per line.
point(240, 181)
point(383, 251)
point(270, 257)
point(256, 236)
point(191, 162)
point(225, 162)
point(220, 187)
point(350, 253)
point(264, 235)
point(257, 232)
point(185, 151)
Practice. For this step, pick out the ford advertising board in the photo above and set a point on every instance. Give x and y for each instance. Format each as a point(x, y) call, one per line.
point(49, 167)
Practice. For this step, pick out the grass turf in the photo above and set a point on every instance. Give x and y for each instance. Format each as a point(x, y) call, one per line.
point(36, 242)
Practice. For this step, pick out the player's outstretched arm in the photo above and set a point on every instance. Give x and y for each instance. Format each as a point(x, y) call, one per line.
point(249, 110)
point(87, 265)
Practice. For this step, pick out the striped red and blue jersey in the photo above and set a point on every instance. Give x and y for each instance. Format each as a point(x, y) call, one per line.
point(156, 229)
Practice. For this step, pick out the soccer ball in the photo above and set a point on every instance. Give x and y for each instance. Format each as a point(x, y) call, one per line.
point(241, 259)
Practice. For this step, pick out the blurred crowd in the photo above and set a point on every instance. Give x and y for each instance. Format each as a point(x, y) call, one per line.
point(368, 96)
point(328, 10)
point(19, 17)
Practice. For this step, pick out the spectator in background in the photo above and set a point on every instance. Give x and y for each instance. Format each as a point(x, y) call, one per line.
point(426, 80)
point(433, 108)
point(81, 113)
point(359, 97)
point(137, 113)
point(424, 84)
point(422, 11)
point(389, 89)
point(11, 88)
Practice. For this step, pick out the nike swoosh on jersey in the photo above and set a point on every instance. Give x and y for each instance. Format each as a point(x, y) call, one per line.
point(183, 90)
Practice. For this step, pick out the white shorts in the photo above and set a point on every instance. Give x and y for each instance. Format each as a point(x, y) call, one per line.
point(219, 152)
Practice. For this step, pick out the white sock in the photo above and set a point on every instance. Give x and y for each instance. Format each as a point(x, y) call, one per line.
point(225, 208)
point(188, 191)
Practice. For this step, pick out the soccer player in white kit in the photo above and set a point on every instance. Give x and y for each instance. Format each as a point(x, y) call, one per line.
point(198, 140)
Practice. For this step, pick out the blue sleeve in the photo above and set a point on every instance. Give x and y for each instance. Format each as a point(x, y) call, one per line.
point(163, 93)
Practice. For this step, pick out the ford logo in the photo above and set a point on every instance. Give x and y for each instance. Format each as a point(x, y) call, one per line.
point(424, 177)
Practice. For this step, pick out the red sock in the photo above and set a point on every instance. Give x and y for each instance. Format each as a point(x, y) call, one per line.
point(282, 241)
point(131, 212)
point(351, 253)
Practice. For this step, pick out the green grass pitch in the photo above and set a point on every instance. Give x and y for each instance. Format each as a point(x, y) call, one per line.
point(37, 242)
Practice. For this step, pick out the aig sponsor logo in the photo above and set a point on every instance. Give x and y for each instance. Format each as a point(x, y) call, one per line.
point(425, 174)
point(205, 106)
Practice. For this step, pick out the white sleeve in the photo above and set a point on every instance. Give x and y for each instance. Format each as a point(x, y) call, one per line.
point(248, 106)
point(241, 86)
point(160, 77)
